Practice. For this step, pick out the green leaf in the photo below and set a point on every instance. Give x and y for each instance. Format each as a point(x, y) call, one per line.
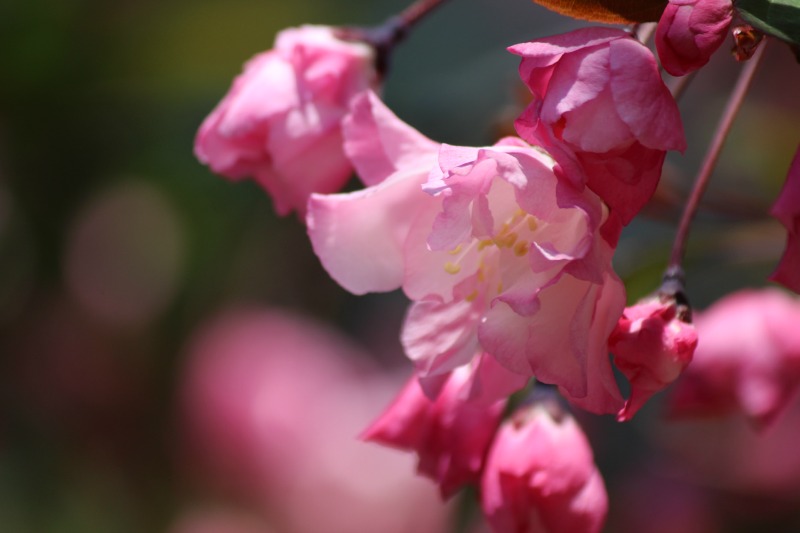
point(610, 11)
point(780, 18)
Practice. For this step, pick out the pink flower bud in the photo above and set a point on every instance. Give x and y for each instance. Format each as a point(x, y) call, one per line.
point(540, 476)
point(600, 105)
point(280, 121)
point(449, 434)
point(748, 358)
point(690, 31)
point(652, 344)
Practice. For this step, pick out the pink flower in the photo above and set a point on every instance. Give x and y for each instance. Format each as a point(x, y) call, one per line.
point(280, 121)
point(360, 237)
point(652, 344)
point(787, 210)
point(690, 31)
point(272, 405)
point(503, 255)
point(540, 476)
point(450, 434)
point(748, 358)
point(599, 102)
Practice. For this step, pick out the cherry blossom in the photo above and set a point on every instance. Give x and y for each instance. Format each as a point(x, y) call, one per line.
point(540, 476)
point(747, 358)
point(280, 121)
point(652, 344)
point(503, 255)
point(690, 31)
point(599, 103)
point(450, 434)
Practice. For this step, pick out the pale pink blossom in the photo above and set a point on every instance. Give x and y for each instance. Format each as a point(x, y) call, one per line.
point(690, 31)
point(599, 103)
point(652, 344)
point(787, 210)
point(540, 476)
point(517, 251)
point(450, 434)
point(360, 237)
point(272, 405)
point(280, 121)
point(504, 255)
point(747, 358)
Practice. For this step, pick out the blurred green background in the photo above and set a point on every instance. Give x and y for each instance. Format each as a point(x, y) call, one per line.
point(115, 243)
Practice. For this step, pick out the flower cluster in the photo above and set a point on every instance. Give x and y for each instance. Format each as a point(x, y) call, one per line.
point(505, 251)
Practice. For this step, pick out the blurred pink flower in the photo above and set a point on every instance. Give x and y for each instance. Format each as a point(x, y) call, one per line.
point(272, 406)
point(747, 359)
point(213, 520)
point(652, 502)
point(787, 210)
point(450, 434)
point(600, 103)
point(540, 476)
point(502, 256)
point(690, 31)
point(652, 344)
point(726, 452)
point(280, 121)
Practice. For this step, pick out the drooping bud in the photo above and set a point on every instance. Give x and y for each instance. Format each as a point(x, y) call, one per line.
point(540, 475)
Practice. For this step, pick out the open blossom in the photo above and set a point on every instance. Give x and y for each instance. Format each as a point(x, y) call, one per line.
point(280, 121)
point(690, 31)
point(540, 476)
point(502, 255)
point(787, 210)
point(748, 358)
point(652, 344)
point(450, 434)
point(599, 101)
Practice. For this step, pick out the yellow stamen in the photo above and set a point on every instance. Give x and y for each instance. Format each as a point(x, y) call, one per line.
point(485, 243)
point(521, 248)
point(456, 250)
point(452, 268)
point(471, 296)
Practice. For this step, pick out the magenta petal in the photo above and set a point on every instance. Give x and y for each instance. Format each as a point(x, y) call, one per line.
point(643, 101)
point(787, 210)
point(540, 476)
point(690, 31)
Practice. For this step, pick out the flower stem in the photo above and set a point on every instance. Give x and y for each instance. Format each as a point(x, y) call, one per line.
point(384, 37)
point(710, 161)
point(411, 15)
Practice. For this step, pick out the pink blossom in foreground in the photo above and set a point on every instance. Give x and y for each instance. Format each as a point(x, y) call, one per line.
point(747, 358)
point(690, 31)
point(360, 236)
point(450, 434)
point(540, 476)
point(280, 121)
point(599, 101)
point(787, 210)
point(272, 405)
point(652, 344)
point(503, 256)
